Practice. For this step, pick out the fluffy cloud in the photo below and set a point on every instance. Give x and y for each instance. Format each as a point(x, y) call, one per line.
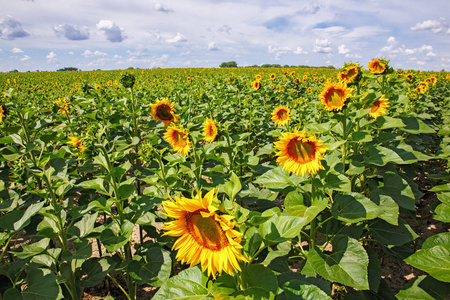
point(342, 49)
point(10, 28)
point(72, 32)
point(16, 50)
point(393, 50)
point(299, 50)
point(278, 51)
point(322, 46)
point(436, 26)
point(113, 32)
point(213, 47)
point(162, 8)
point(52, 58)
point(224, 28)
point(179, 38)
point(25, 58)
point(89, 53)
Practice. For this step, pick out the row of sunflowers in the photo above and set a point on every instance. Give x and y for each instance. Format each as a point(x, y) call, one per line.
point(221, 183)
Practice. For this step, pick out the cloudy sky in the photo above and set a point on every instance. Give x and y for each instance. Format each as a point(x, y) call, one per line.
point(117, 34)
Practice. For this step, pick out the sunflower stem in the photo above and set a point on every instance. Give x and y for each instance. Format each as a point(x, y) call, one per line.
point(344, 132)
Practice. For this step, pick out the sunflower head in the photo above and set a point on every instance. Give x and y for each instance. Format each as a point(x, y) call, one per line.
point(204, 236)
point(300, 154)
point(379, 66)
point(163, 111)
point(272, 76)
point(280, 115)
point(379, 107)
point(3, 112)
point(178, 139)
point(255, 85)
point(209, 130)
point(128, 80)
point(74, 141)
point(350, 73)
point(334, 95)
point(410, 77)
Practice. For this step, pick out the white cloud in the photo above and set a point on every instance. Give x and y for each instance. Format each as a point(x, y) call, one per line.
point(16, 50)
point(25, 58)
point(179, 38)
point(113, 32)
point(89, 53)
point(278, 51)
point(299, 50)
point(162, 8)
point(52, 58)
point(342, 49)
point(436, 26)
point(213, 47)
point(224, 28)
point(71, 53)
point(391, 44)
point(10, 29)
point(322, 46)
point(72, 32)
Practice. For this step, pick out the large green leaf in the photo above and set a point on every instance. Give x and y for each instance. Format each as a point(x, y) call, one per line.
point(296, 289)
point(281, 228)
point(398, 189)
point(17, 220)
point(232, 187)
point(32, 249)
point(259, 282)
point(158, 267)
point(416, 126)
point(380, 156)
point(275, 179)
point(347, 264)
point(388, 234)
point(388, 207)
point(96, 270)
point(296, 206)
point(42, 284)
point(424, 288)
point(84, 226)
point(188, 284)
point(113, 241)
point(434, 257)
point(353, 208)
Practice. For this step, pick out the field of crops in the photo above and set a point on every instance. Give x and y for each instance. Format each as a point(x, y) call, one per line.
point(231, 183)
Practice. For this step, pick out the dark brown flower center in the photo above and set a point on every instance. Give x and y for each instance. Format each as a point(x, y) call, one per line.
point(302, 152)
point(206, 231)
point(164, 112)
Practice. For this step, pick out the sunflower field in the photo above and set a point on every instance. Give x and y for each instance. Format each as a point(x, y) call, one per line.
point(231, 183)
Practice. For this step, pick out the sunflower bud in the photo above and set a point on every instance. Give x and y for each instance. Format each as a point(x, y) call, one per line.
point(128, 80)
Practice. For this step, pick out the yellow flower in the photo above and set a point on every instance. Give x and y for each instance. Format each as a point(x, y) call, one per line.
point(256, 85)
point(74, 141)
point(178, 139)
point(272, 76)
point(205, 237)
point(349, 74)
point(82, 147)
point(258, 77)
point(300, 154)
point(280, 115)
point(209, 130)
point(334, 96)
point(379, 107)
point(163, 111)
point(2, 113)
point(376, 66)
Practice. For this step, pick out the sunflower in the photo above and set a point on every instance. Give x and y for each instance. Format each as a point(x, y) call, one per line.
point(178, 139)
point(163, 111)
point(258, 77)
point(209, 130)
point(205, 237)
point(2, 113)
point(74, 141)
point(350, 73)
point(334, 95)
point(272, 76)
point(255, 85)
point(280, 115)
point(300, 154)
point(410, 77)
point(379, 107)
point(376, 66)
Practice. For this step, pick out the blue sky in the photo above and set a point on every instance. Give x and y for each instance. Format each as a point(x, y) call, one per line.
point(117, 34)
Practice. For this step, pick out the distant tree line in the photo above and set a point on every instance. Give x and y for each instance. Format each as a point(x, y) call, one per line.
point(68, 69)
point(233, 64)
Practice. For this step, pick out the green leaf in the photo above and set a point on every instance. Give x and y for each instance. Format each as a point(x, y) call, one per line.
point(424, 288)
point(113, 241)
point(18, 219)
point(12, 294)
point(388, 207)
point(385, 122)
point(374, 269)
point(83, 250)
point(398, 189)
point(96, 270)
point(297, 207)
point(126, 190)
point(416, 126)
point(8, 200)
point(260, 282)
point(32, 249)
point(232, 187)
point(296, 289)
point(188, 284)
point(434, 257)
point(95, 184)
point(281, 228)
point(347, 264)
point(380, 156)
point(85, 226)
point(275, 179)
point(158, 267)
point(441, 188)
point(353, 208)
point(42, 284)
point(361, 137)
point(392, 235)
point(60, 166)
